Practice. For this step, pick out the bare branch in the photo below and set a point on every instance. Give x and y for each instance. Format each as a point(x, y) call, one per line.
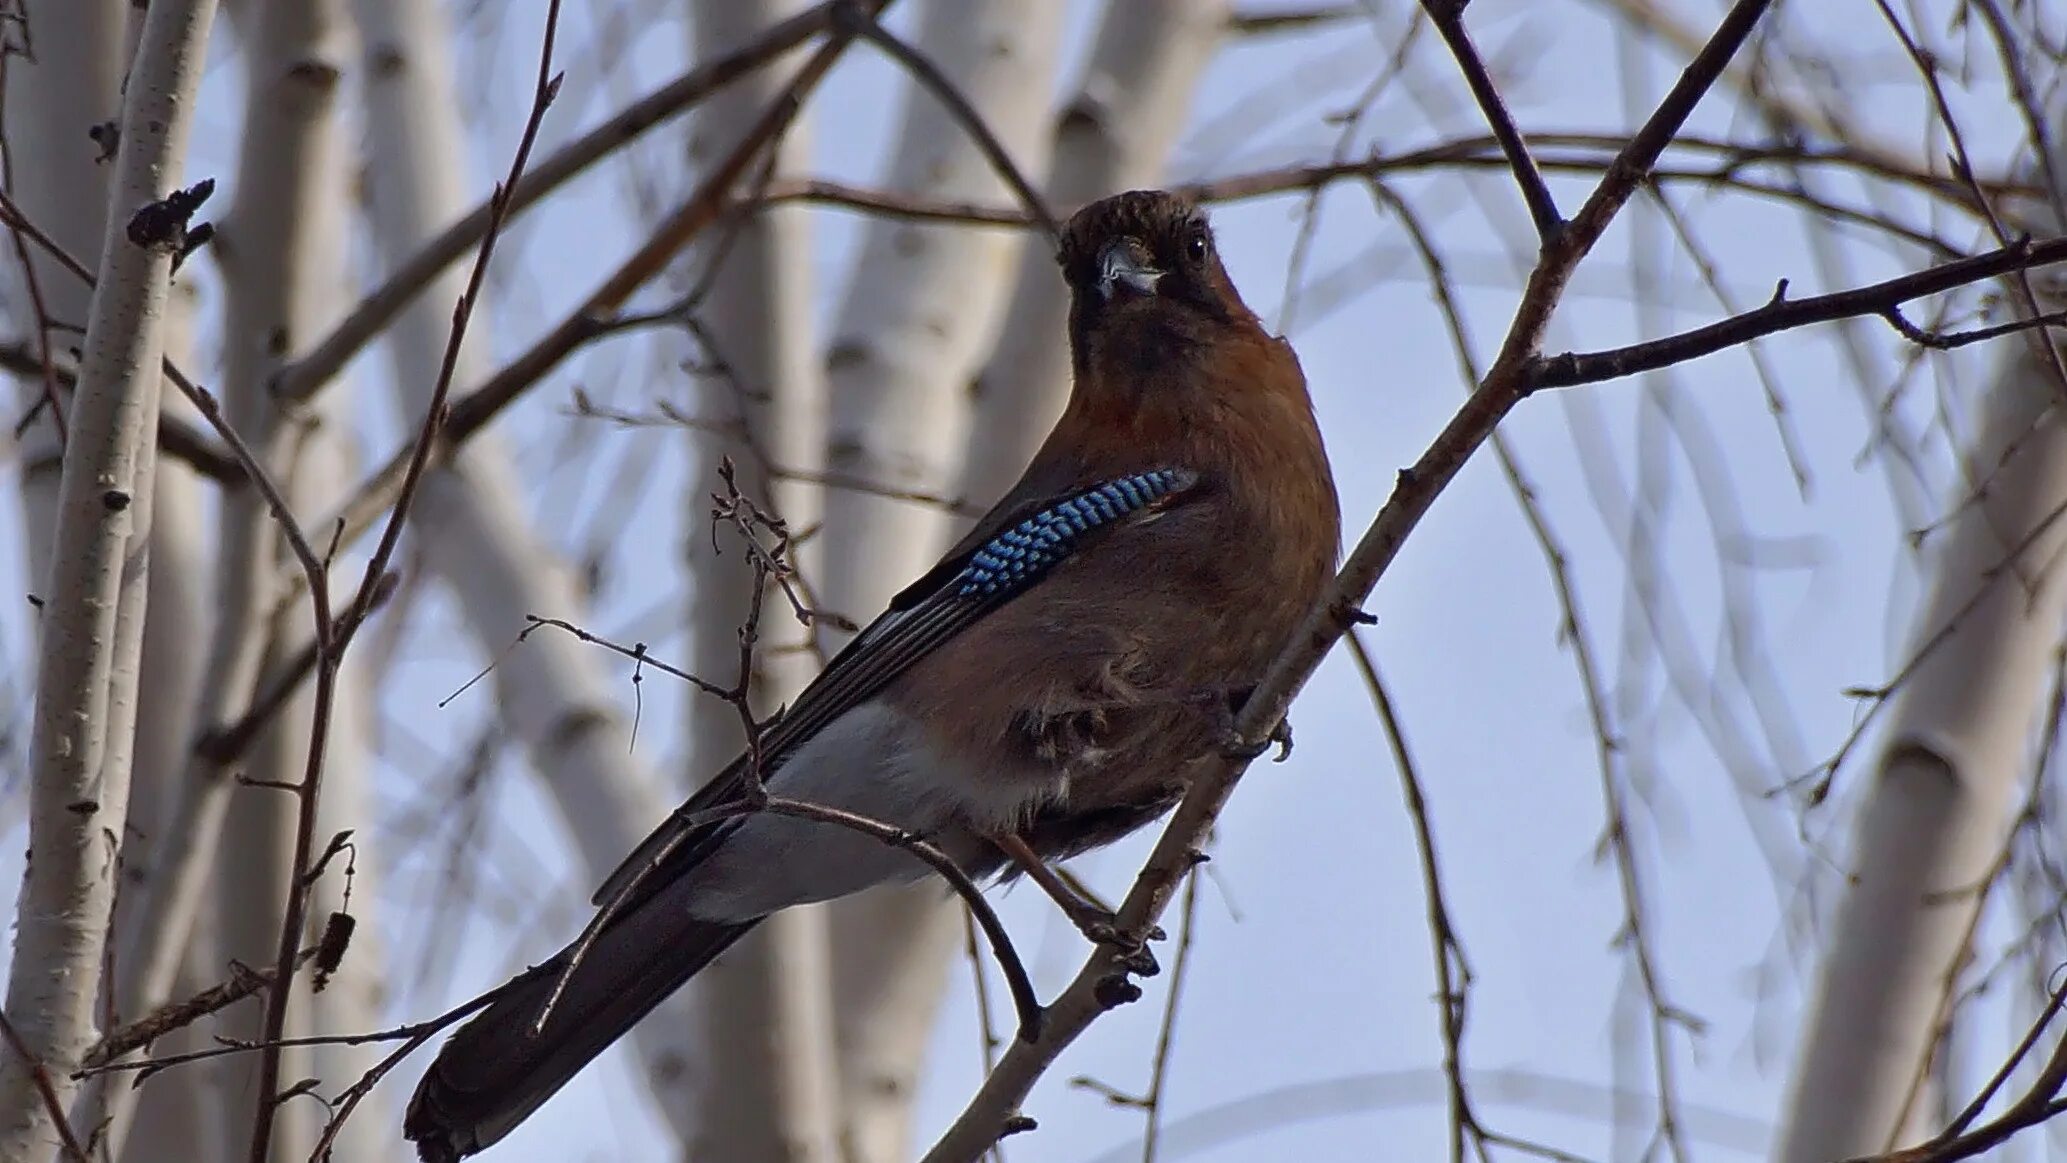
point(53, 1105)
point(1448, 16)
point(973, 123)
point(1781, 314)
point(243, 983)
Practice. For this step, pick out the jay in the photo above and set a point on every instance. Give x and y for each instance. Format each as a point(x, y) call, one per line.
point(1047, 688)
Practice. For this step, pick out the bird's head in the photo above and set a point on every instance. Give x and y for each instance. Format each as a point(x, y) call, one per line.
point(1144, 274)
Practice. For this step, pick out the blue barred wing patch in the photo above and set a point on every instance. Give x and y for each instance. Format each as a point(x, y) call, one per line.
point(1017, 557)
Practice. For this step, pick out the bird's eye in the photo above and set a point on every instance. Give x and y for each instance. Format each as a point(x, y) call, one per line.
point(1196, 246)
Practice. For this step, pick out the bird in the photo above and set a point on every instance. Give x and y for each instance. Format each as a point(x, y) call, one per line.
point(1053, 684)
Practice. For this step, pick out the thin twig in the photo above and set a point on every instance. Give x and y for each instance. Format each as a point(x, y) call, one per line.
point(1969, 1114)
point(2011, 51)
point(243, 983)
point(1017, 980)
point(1963, 168)
point(1877, 698)
point(1769, 380)
point(341, 1109)
point(1572, 630)
point(636, 652)
point(225, 1047)
point(1166, 1032)
point(1453, 977)
point(32, 285)
point(1448, 16)
point(2040, 1102)
point(1573, 153)
point(52, 1104)
point(1950, 340)
point(221, 745)
point(929, 76)
point(668, 414)
point(1781, 313)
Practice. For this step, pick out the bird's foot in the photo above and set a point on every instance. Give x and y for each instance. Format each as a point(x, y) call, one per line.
point(1280, 737)
point(1221, 707)
point(1101, 926)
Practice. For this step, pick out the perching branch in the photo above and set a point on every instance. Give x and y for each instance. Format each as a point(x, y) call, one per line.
point(995, 1108)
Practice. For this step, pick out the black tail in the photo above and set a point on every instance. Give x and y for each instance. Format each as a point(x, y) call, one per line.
point(493, 1072)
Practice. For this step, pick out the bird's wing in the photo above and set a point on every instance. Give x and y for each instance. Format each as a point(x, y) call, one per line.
point(1004, 556)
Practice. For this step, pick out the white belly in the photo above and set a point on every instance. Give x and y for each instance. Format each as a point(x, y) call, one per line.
point(875, 763)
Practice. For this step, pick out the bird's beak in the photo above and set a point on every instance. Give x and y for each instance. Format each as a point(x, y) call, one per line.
point(1122, 266)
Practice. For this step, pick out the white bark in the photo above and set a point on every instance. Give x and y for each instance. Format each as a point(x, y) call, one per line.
point(1939, 807)
point(95, 593)
point(72, 83)
point(926, 300)
point(923, 306)
point(761, 1083)
point(1115, 134)
point(552, 694)
point(892, 952)
point(170, 1110)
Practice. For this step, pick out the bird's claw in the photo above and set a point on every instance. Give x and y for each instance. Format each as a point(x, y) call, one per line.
point(1102, 927)
point(1282, 736)
point(1221, 706)
point(1235, 746)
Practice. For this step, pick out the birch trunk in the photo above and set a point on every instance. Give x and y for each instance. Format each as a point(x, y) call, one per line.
point(72, 83)
point(171, 1109)
point(1939, 808)
point(761, 1085)
point(1115, 133)
point(95, 594)
point(552, 694)
point(924, 305)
